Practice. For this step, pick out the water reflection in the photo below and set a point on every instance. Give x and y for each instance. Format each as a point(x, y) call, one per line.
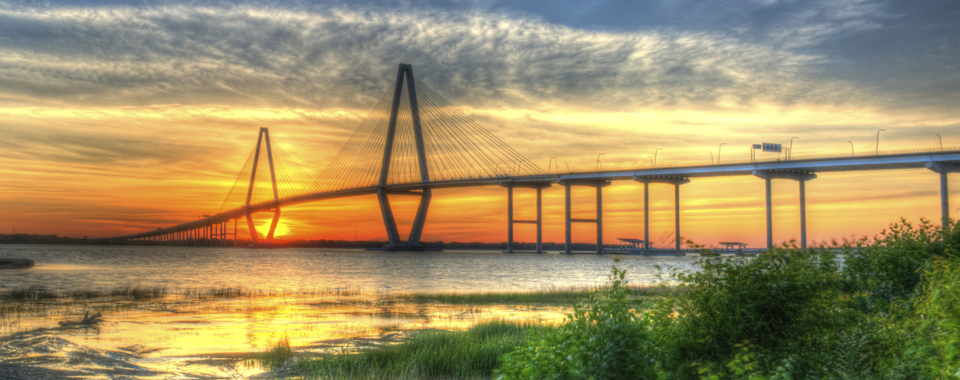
point(198, 336)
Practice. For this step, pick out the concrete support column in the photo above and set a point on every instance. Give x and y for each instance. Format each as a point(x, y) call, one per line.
point(803, 214)
point(387, 213)
point(599, 220)
point(769, 216)
point(646, 216)
point(566, 189)
point(539, 221)
point(944, 202)
point(798, 176)
point(253, 230)
point(509, 219)
point(676, 214)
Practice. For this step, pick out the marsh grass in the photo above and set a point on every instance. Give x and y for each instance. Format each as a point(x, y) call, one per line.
point(274, 357)
point(551, 297)
point(429, 354)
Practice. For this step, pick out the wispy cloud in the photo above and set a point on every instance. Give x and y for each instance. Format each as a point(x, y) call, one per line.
point(247, 55)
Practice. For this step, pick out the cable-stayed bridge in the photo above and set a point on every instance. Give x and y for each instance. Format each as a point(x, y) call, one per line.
point(414, 141)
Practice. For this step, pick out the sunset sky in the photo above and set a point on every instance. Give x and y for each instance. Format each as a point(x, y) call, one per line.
point(120, 117)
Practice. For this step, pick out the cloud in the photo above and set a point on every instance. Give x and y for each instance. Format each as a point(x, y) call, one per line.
point(273, 56)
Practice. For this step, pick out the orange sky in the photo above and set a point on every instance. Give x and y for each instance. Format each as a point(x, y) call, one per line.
point(121, 119)
point(188, 157)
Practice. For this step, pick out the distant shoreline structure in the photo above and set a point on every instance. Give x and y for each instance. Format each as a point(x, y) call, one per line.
point(292, 243)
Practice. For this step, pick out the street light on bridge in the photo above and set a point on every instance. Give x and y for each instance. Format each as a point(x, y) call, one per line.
point(655, 156)
point(851, 148)
point(790, 152)
point(720, 149)
point(878, 141)
point(941, 141)
point(599, 165)
point(711, 157)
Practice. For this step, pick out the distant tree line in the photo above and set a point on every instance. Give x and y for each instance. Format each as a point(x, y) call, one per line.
point(294, 243)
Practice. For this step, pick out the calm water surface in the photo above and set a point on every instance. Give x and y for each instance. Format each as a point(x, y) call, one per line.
point(177, 336)
point(96, 267)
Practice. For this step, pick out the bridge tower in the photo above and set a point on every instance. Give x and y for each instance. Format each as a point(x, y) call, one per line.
point(404, 75)
point(264, 135)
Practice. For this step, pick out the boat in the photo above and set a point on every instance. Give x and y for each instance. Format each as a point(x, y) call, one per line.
point(16, 263)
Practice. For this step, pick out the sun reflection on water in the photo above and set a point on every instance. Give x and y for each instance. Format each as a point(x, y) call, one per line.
point(189, 335)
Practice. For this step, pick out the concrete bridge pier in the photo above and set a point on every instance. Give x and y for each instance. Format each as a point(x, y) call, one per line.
point(799, 176)
point(943, 168)
point(676, 181)
point(599, 184)
point(539, 186)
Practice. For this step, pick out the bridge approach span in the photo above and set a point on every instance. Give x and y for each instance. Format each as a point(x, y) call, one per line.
point(939, 161)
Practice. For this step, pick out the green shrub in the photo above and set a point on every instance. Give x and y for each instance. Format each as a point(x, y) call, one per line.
point(889, 269)
point(777, 302)
point(937, 344)
point(604, 338)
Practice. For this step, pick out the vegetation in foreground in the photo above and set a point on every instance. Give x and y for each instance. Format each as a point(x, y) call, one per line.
point(560, 296)
point(889, 311)
point(432, 354)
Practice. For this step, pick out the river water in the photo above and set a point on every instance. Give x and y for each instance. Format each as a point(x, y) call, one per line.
point(109, 267)
point(317, 299)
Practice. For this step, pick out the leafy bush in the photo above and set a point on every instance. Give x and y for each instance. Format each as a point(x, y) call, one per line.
point(604, 338)
point(937, 347)
point(890, 268)
point(777, 302)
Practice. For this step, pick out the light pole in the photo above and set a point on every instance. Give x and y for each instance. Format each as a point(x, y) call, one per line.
point(568, 167)
point(878, 141)
point(599, 165)
point(651, 160)
point(711, 157)
point(552, 159)
point(851, 148)
point(790, 155)
point(655, 156)
point(941, 142)
point(719, 149)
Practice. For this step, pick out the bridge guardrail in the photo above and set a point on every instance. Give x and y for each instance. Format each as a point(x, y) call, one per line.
point(780, 159)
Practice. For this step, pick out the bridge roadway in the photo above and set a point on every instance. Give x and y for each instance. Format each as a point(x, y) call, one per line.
point(801, 170)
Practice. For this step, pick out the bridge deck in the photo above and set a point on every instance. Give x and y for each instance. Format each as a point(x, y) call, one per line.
point(805, 165)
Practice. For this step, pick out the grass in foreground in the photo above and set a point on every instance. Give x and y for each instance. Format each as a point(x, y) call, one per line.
point(551, 297)
point(274, 357)
point(432, 354)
